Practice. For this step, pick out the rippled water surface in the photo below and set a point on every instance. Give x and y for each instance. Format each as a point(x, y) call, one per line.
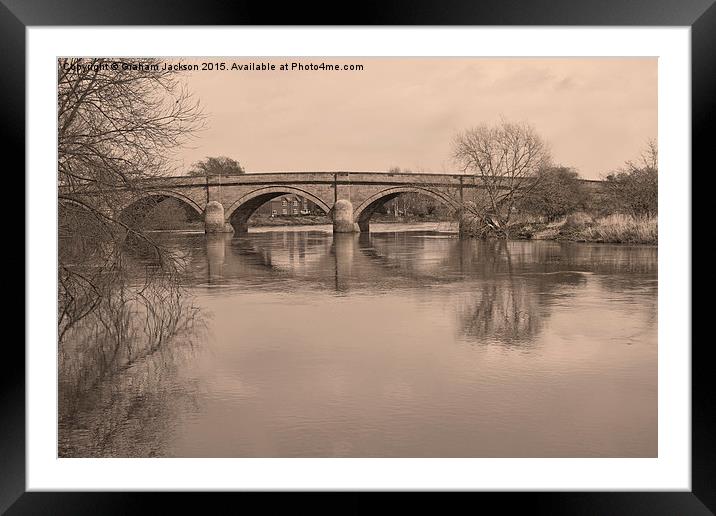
point(407, 342)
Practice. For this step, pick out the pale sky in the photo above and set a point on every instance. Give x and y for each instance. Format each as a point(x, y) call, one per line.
point(595, 113)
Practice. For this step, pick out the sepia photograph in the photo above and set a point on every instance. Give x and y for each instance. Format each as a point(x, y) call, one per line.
point(386, 257)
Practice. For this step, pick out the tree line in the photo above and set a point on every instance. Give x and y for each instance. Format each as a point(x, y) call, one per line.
point(516, 167)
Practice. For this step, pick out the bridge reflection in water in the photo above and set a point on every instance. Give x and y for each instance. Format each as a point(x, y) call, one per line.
point(505, 289)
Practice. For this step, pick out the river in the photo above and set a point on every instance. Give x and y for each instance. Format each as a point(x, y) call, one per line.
point(405, 342)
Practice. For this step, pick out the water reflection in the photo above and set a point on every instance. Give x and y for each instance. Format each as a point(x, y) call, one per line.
point(505, 290)
point(117, 370)
point(410, 343)
point(131, 413)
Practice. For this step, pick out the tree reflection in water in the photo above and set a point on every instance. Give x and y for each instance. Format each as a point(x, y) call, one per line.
point(518, 282)
point(116, 364)
point(510, 311)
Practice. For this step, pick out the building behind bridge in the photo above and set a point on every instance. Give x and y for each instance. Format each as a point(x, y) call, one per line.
point(289, 206)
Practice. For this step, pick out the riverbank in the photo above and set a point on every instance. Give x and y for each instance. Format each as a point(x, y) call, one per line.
point(311, 220)
point(303, 220)
point(581, 227)
point(578, 227)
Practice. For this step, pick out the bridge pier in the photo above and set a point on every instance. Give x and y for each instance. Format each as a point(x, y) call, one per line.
point(241, 226)
point(214, 221)
point(343, 217)
point(364, 226)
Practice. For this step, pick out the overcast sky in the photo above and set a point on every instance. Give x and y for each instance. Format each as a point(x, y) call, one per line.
point(594, 113)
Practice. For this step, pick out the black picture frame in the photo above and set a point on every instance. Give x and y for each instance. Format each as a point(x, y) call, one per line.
point(17, 15)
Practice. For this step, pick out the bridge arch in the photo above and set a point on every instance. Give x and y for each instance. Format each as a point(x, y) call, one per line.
point(148, 194)
point(365, 210)
point(239, 212)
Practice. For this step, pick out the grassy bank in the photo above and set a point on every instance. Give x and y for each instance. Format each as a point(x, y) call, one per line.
point(580, 227)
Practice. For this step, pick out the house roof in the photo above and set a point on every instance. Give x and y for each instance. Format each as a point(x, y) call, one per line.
point(288, 197)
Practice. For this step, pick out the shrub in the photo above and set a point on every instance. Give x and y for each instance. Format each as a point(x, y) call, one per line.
point(578, 219)
point(557, 192)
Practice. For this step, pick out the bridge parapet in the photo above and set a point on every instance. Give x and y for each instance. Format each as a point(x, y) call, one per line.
point(404, 179)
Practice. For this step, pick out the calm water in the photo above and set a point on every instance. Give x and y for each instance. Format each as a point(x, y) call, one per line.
point(406, 342)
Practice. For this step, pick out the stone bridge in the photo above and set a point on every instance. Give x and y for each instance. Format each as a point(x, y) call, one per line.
point(349, 198)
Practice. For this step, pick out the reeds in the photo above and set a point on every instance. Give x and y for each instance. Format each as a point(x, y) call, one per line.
point(619, 228)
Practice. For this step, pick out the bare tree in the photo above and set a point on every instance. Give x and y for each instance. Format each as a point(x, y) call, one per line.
point(506, 158)
point(118, 123)
point(649, 157)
